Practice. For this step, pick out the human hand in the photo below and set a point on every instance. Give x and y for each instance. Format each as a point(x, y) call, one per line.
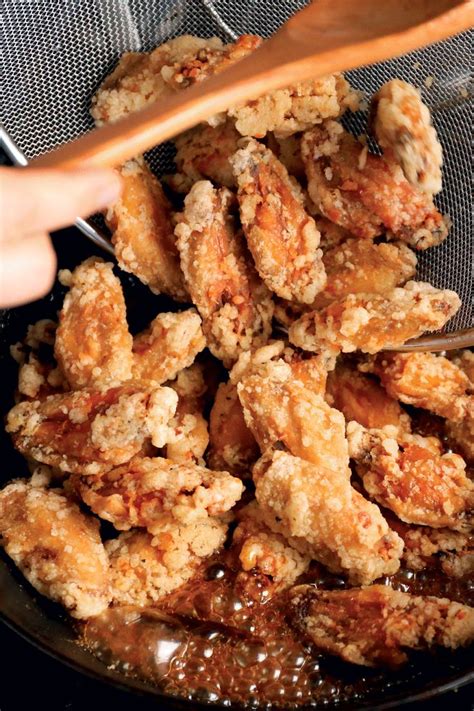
point(32, 203)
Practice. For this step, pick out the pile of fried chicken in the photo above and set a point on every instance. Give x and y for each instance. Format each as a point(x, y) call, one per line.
point(296, 247)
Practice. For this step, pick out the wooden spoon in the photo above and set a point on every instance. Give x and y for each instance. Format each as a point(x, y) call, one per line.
point(325, 37)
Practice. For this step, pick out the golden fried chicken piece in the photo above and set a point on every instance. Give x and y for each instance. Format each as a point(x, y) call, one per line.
point(170, 343)
point(142, 231)
point(360, 266)
point(281, 235)
point(190, 433)
point(332, 235)
point(464, 360)
point(262, 551)
point(232, 445)
point(138, 79)
point(364, 193)
point(373, 322)
point(38, 380)
point(204, 152)
point(235, 306)
point(426, 380)
point(461, 434)
point(91, 431)
point(281, 405)
point(288, 151)
point(56, 547)
point(361, 398)
point(320, 514)
point(373, 626)
point(413, 478)
point(427, 547)
point(145, 489)
point(93, 345)
point(144, 568)
point(402, 124)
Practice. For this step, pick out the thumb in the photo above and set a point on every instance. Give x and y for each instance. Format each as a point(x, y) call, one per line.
point(40, 200)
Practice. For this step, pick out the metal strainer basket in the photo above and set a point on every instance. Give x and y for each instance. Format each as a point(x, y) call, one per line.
point(56, 52)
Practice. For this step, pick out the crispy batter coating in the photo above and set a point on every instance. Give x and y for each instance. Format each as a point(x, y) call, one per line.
point(361, 398)
point(414, 479)
point(281, 235)
point(91, 431)
point(190, 436)
point(145, 489)
point(323, 516)
point(464, 360)
point(373, 322)
point(426, 380)
point(286, 312)
point(56, 547)
point(139, 78)
point(332, 235)
point(402, 124)
point(372, 626)
point(38, 380)
point(169, 344)
point(93, 345)
point(360, 266)
point(288, 151)
point(461, 434)
point(232, 445)
point(263, 551)
point(425, 547)
point(144, 568)
point(364, 193)
point(204, 152)
point(235, 306)
point(142, 231)
point(280, 405)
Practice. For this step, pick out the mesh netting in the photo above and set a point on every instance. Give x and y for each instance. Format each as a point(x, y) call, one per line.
point(56, 52)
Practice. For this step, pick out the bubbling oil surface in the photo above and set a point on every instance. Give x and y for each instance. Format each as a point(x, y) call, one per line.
point(224, 638)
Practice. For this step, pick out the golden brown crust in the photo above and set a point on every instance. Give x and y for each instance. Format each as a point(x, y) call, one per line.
point(364, 193)
point(57, 548)
point(282, 237)
point(372, 626)
point(426, 380)
point(402, 124)
point(145, 567)
point(145, 489)
point(90, 431)
point(235, 306)
point(373, 322)
point(232, 445)
point(93, 345)
point(169, 344)
point(142, 231)
point(190, 431)
point(322, 515)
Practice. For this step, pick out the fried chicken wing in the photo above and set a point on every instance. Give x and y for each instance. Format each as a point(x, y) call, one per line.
point(461, 434)
point(90, 431)
point(322, 515)
point(402, 124)
point(414, 479)
point(262, 551)
point(142, 491)
point(139, 78)
point(426, 380)
point(235, 306)
point(361, 398)
point(190, 436)
point(169, 344)
point(93, 345)
point(373, 322)
point(464, 360)
point(360, 266)
point(364, 193)
point(280, 405)
point(203, 153)
point(232, 445)
point(56, 547)
point(282, 237)
point(143, 232)
point(373, 626)
point(144, 568)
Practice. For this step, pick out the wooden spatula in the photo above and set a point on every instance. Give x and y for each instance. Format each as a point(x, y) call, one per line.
point(325, 37)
